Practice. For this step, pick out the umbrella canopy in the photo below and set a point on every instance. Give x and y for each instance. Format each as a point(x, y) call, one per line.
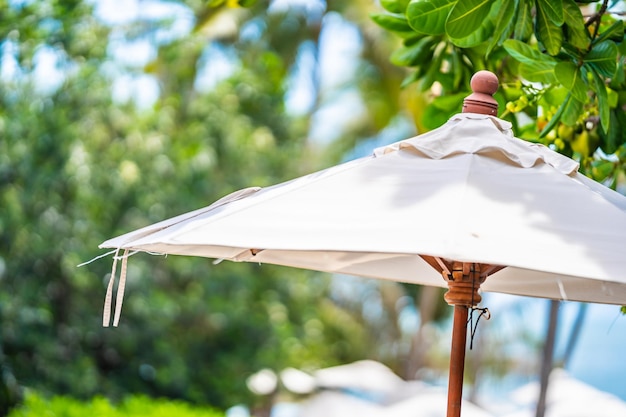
point(467, 202)
point(468, 191)
point(368, 388)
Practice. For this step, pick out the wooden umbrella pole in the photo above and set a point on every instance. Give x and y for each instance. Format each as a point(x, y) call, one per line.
point(457, 361)
point(464, 280)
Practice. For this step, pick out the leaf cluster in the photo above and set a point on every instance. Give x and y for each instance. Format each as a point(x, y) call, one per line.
point(560, 63)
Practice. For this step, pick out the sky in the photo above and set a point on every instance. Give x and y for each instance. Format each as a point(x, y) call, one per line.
point(598, 358)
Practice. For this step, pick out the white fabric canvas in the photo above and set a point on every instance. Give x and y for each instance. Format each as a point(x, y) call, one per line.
point(468, 191)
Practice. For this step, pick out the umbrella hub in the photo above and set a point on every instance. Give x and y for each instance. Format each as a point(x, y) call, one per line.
point(464, 280)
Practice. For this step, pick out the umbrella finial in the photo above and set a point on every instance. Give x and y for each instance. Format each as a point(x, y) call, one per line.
point(484, 85)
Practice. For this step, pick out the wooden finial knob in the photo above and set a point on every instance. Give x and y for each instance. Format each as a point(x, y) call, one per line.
point(484, 85)
point(484, 82)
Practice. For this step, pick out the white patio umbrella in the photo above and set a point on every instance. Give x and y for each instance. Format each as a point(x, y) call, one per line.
point(368, 388)
point(468, 202)
point(568, 397)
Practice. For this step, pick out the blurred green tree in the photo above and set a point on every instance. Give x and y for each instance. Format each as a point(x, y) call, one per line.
point(77, 167)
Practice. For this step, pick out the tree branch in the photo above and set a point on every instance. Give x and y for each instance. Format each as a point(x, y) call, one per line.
point(596, 19)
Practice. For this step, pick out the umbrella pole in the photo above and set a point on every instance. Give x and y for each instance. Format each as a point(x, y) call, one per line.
point(457, 360)
point(463, 280)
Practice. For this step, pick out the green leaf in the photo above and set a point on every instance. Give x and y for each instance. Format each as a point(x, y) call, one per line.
point(411, 78)
point(461, 74)
point(482, 34)
point(394, 6)
point(554, 96)
point(572, 111)
point(603, 100)
point(524, 24)
point(602, 169)
point(613, 97)
point(433, 72)
point(441, 109)
point(524, 53)
point(620, 141)
point(621, 46)
point(413, 39)
point(392, 23)
point(451, 102)
point(415, 54)
point(534, 66)
point(504, 24)
point(520, 51)
point(538, 71)
point(614, 137)
point(603, 58)
point(429, 16)
point(549, 34)
point(577, 33)
point(555, 119)
point(467, 16)
point(570, 76)
point(615, 32)
point(620, 75)
point(553, 9)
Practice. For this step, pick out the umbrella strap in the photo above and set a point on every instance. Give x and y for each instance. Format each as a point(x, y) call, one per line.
point(483, 311)
point(473, 326)
point(108, 299)
point(121, 286)
point(106, 312)
point(96, 258)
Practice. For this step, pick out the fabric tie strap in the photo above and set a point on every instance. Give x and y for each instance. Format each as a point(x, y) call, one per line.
point(108, 299)
point(120, 290)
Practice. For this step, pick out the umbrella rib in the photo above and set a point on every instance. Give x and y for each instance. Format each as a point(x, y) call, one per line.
point(445, 267)
point(487, 269)
point(439, 264)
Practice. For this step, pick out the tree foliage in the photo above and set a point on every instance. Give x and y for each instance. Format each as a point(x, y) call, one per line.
point(560, 63)
point(139, 406)
point(78, 166)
